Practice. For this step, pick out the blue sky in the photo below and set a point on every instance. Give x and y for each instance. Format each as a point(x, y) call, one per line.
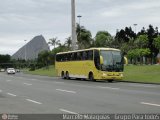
point(23, 19)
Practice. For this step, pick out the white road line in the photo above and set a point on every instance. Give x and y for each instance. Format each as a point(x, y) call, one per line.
point(12, 94)
point(58, 82)
point(151, 86)
point(33, 101)
point(27, 84)
point(150, 104)
point(66, 91)
point(34, 79)
point(67, 111)
point(20, 77)
point(108, 88)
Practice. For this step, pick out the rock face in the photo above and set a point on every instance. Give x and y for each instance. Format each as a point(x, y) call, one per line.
point(31, 50)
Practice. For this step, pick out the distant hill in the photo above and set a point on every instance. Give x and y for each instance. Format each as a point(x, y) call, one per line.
point(33, 48)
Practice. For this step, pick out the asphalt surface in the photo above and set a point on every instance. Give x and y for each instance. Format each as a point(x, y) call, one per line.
point(28, 94)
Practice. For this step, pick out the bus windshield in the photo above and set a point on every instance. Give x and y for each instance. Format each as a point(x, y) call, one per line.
point(112, 60)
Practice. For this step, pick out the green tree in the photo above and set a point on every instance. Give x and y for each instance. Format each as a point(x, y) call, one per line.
point(142, 41)
point(84, 37)
point(5, 58)
point(152, 33)
point(103, 39)
point(68, 42)
point(43, 58)
point(54, 42)
point(123, 36)
point(156, 42)
point(136, 54)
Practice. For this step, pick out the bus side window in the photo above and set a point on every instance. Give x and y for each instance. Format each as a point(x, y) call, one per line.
point(84, 56)
point(87, 55)
point(78, 56)
point(91, 55)
point(75, 56)
point(62, 57)
point(81, 55)
point(72, 56)
point(97, 59)
point(66, 57)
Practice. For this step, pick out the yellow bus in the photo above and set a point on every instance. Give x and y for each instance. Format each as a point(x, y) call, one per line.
point(93, 64)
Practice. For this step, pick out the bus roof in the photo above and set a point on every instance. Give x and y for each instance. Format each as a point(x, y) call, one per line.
point(89, 49)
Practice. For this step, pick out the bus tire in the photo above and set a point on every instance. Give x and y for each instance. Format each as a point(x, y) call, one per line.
point(63, 75)
point(110, 81)
point(67, 75)
point(91, 77)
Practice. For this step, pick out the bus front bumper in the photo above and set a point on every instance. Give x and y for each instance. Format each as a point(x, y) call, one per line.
point(112, 76)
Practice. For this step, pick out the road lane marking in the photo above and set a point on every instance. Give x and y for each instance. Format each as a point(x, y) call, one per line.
point(151, 86)
point(33, 101)
point(150, 104)
point(33, 79)
point(65, 91)
point(12, 94)
point(58, 82)
point(108, 88)
point(67, 111)
point(27, 84)
point(20, 77)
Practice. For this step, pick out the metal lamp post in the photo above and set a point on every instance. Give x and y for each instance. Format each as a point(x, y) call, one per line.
point(74, 36)
point(135, 27)
point(79, 16)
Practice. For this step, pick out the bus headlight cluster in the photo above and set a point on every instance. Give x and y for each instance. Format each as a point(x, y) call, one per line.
point(121, 74)
point(104, 74)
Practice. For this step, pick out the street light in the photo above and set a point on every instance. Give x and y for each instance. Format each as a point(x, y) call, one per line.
point(79, 16)
point(135, 27)
point(25, 53)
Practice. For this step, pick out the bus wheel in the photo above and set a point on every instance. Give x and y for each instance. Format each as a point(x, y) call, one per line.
point(67, 75)
point(63, 75)
point(91, 78)
point(110, 81)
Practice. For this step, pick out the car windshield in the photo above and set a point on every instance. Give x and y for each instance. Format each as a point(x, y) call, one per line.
point(112, 60)
point(10, 69)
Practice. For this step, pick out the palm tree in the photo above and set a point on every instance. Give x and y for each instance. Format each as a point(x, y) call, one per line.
point(54, 42)
point(84, 37)
point(68, 42)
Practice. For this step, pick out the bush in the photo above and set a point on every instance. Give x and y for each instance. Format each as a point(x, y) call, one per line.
point(32, 68)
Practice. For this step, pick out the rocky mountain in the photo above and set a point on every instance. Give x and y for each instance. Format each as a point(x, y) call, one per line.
point(31, 50)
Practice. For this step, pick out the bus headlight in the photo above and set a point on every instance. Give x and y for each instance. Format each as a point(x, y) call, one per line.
point(121, 74)
point(104, 74)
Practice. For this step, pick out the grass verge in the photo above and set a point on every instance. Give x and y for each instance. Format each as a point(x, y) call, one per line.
point(143, 73)
point(44, 72)
point(133, 73)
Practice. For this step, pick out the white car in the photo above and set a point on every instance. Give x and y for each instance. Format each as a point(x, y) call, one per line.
point(11, 71)
point(2, 70)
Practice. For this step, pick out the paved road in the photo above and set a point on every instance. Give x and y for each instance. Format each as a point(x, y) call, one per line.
point(22, 93)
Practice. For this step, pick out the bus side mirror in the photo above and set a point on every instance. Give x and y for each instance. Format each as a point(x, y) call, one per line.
point(125, 61)
point(101, 60)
